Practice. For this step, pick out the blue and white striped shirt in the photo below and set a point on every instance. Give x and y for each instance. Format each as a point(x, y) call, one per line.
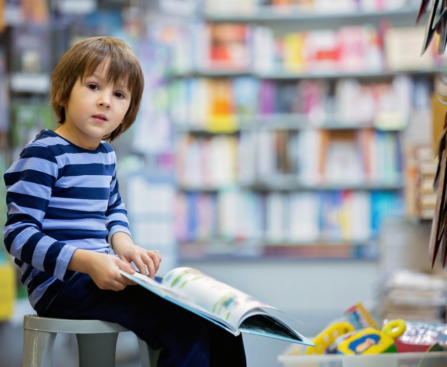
point(60, 198)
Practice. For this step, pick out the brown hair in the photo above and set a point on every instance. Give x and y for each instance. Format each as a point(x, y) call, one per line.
point(82, 60)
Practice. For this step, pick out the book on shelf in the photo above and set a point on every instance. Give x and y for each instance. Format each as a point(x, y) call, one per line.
point(421, 170)
point(227, 46)
point(207, 162)
point(243, 215)
point(226, 104)
point(320, 157)
point(290, 159)
point(402, 49)
point(219, 303)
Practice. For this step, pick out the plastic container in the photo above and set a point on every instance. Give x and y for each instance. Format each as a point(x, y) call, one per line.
point(432, 359)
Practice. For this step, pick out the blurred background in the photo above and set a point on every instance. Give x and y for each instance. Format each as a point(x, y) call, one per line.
point(284, 147)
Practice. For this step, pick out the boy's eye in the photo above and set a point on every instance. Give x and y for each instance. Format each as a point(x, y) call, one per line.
point(119, 94)
point(92, 86)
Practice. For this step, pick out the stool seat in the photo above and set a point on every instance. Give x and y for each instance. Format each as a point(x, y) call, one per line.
point(51, 325)
point(96, 342)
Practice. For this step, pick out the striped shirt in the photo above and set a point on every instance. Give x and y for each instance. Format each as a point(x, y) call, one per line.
point(60, 198)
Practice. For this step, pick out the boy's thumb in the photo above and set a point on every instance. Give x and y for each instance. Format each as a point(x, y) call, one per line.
point(127, 267)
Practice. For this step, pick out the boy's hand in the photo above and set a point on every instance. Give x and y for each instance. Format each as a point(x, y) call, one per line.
point(104, 269)
point(124, 247)
point(105, 272)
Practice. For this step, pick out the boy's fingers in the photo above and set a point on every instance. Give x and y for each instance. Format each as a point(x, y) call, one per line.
point(150, 265)
point(140, 265)
point(126, 281)
point(159, 256)
point(124, 265)
point(155, 259)
point(117, 286)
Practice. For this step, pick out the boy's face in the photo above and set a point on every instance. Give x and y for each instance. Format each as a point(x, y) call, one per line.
point(95, 108)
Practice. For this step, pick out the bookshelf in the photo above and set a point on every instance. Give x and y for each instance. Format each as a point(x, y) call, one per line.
point(237, 205)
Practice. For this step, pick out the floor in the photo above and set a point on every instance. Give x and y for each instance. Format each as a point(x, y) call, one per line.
point(261, 352)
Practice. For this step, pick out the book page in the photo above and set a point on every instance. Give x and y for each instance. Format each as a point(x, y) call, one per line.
point(208, 293)
point(177, 299)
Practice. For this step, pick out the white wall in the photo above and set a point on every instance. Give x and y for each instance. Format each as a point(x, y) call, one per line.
point(315, 292)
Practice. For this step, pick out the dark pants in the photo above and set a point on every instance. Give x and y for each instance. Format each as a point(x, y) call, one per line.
point(184, 338)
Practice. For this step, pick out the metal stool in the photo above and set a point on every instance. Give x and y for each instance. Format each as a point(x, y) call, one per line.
point(96, 342)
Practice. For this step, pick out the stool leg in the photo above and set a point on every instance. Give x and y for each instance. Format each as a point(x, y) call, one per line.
point(37, 348)
point(97, 349)
point(148, 356)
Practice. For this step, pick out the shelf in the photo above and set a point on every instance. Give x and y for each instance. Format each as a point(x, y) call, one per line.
point(319, 251)
point(284, 122)
point(295, 185)
point(30, 83)
point(292, 186)
point(282, 75)
point(337, 74)
point(270, 14)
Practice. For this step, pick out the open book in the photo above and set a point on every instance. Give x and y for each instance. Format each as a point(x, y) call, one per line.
point(219, 303)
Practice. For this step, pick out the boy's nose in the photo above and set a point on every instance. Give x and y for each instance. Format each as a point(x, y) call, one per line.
point(104, 103)
point(104, 100)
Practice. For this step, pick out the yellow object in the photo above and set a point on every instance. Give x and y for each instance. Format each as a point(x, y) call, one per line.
point(368, 341)
point(7, 290)
point(294, 61)
point(328, 336)
point(360, 318)
point(395, 328)
point(372, 341)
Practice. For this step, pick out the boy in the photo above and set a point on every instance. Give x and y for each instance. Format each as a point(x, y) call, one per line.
point(65, 212)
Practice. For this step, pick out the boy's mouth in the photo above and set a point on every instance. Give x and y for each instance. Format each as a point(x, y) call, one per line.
point(100, 117)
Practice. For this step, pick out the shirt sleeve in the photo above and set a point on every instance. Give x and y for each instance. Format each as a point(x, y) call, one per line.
point(116, 212)
point(29, 184)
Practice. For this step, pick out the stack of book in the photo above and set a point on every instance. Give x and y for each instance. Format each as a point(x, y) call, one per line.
point(414, 297)
point(284, 218)
point(425, 195)
point(223, 105)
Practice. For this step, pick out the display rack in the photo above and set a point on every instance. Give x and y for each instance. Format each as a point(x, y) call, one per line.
point(260, 250)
